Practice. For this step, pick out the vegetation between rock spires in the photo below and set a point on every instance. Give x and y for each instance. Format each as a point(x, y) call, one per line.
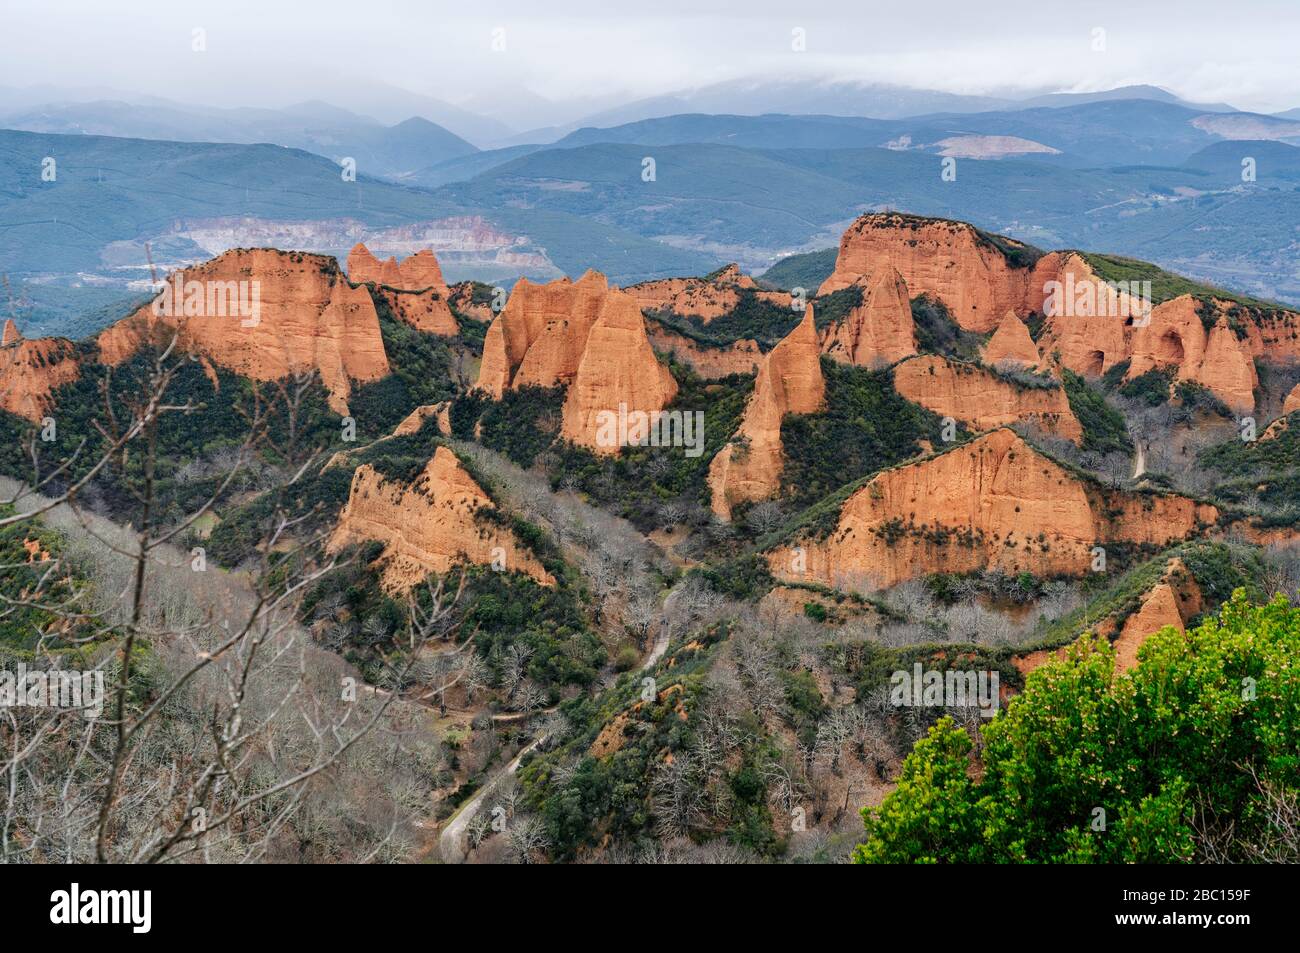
point(866, 426)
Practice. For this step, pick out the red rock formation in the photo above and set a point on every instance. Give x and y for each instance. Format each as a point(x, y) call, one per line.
point(417, 273)
point(789, 382)
point(1011, 344)
point(429, 526)
point(993, 503)
point(584, 335)
point(461, 297)
point(983, 400)
point(413, 421)
point(1218, 359)
point(31, 370)
point(362, 265)
point(540, 335)
point(706, 298)
point(1087, 324)
point(1171, 602)
point(618, 375)
point(1292, 401)
point(421, 271)
point(423, 310)
point(879, 331)
point(303, 315)
point(739, 357)
point(950, 260)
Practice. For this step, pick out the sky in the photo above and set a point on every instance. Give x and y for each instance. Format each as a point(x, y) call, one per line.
point(589, 54)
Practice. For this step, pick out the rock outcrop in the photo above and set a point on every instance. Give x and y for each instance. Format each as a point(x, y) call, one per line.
point(976, 279)
point(31, 370)
point(1012, 345)
point(880, 330)
point(994, 503)
point(1217, 358)
point(418, 272)
point(429, 526)
point(983, 400)
point(1292, 403)
point(709, 361)
point(539, 337)
point(1087, 324)
point(789, 382)
point(588, 337)
point(423, 310)
point(1171, 602)
point(618, 377)
point(413, 421)
point(295, 313)
point(705, 298)
point(463, 298)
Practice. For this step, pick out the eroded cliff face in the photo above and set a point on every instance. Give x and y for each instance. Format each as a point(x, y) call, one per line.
point(1173, 602)
point(418, 272)
point(461, 296)
point(949, 260)
point(789, 382)
point(993, 503)
point(539, 337)
point(588, 337)
point(983, 400)
point(706, 298)
point(1218, 358)
point(294, 313)
point(1011, 345)
point(429, 526)
point(618, 375)
point(739, 357)
point(880, 330)
point(423, 310)
point(1089, 339)
point(1292, 403)
point(31, 370)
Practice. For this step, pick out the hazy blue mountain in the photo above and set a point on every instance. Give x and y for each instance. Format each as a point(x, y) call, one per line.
point(386, 151)
point(1106, 132)
point(1275, 162)
point(1156, 93)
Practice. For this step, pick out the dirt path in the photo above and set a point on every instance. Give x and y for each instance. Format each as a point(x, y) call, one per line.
point(452, 842)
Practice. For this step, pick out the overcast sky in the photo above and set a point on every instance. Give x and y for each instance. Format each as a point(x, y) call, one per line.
point(271, 52)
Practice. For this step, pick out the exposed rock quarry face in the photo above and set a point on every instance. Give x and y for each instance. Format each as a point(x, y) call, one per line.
point(948, 260)
point(705, 298)
point(982, 399)
point(880, 330)
point(789, 382)
point(422, 310)
point(618, 374)
point(1218, 359)
point(589, 337)
point(429, 526)
point(992, 503)
point(31, 370)
point(1012, 345)
point(740, 357)
point(304, 315)
point(417, 272)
